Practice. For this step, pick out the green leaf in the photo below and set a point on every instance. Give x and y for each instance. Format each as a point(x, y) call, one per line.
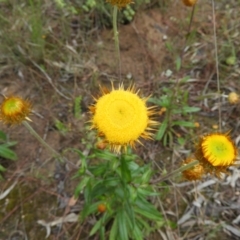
point(119, 192)
point(184, 124)
point(77, 107)
point(137, 233)
point(106, 155)
point(125, 172)
point(188, 109)
point(133, 166)
point(9, 144)
point(3, 136)
point(83, 159)
point(114, 230)
point(81, 185)
point(99, 190)
point(169, 46)
point(181, 141)
point(89, 209)
point(145, 192)
point(147, 210)
point(133, 229)
point(130, 215)
point(147, 175)
point(2, 169)
point(101, 225)
point(87, 192)
point(184, 79)
point(121, 219)
point(96, 227)
point(102, 233)
point(178, 63)
point(99, 170)
point(142, 223)
point(155, 101)
point(7, 153)
point(161, 130)
point(111, 182)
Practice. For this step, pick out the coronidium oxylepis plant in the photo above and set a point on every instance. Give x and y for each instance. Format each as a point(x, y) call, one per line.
point(16, 110)
point(215, 153)
point(116, 185)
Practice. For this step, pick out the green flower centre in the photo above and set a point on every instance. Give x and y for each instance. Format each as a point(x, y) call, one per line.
point(12, 106)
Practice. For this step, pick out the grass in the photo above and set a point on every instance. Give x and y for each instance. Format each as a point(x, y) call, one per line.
point(54, 56)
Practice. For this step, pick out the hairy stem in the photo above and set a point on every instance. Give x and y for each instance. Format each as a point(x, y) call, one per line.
point(116, 39)
point(175, 172)
point(36, 135)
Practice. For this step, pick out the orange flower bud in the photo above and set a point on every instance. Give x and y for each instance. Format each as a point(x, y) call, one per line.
point(101, 145)
point(102, 208)
point(189, 3)
point(194, 173)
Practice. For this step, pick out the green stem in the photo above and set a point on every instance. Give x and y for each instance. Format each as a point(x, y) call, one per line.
point(116, 39)
point(175, 172)
point(35, 134)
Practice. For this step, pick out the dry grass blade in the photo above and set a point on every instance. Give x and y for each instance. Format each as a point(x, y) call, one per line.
point(50, 81)
point(72, 217)
point(7, 191)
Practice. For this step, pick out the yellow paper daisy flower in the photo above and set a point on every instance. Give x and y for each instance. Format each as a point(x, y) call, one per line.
point(216, 152)
point(194, 173)
point(119, 3)
point(14, 110)
point(121, 117)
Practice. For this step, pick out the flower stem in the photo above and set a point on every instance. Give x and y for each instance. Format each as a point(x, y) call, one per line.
point(116, 39)
point(36, 135)
point(175, 172)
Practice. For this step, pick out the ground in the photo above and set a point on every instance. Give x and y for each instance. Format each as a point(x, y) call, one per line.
point(151, 47)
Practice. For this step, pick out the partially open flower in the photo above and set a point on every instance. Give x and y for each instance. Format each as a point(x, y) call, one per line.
point(14, 110)
point(216, 151)
point(119, 3)
point(121, 118)
point(189, 3)
point(233, 98)
point(194, 173)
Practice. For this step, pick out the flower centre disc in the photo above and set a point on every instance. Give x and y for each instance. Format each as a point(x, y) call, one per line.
point(121, 116)
point(219, 150)
point(121, 113)
point(12, 106)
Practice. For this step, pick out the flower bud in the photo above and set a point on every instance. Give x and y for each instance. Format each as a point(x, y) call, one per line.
point(189, 3)
point(233, 98)
point(101, 208)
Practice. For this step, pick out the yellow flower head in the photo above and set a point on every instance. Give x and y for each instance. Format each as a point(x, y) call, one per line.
point(194, 173)
point(189, 3)
point(122, 117)
point(216, 152)
point(119, 3)
point(14, 110)
point(233, 98)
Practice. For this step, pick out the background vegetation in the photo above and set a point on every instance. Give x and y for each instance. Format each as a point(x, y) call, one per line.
point(56, 53)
